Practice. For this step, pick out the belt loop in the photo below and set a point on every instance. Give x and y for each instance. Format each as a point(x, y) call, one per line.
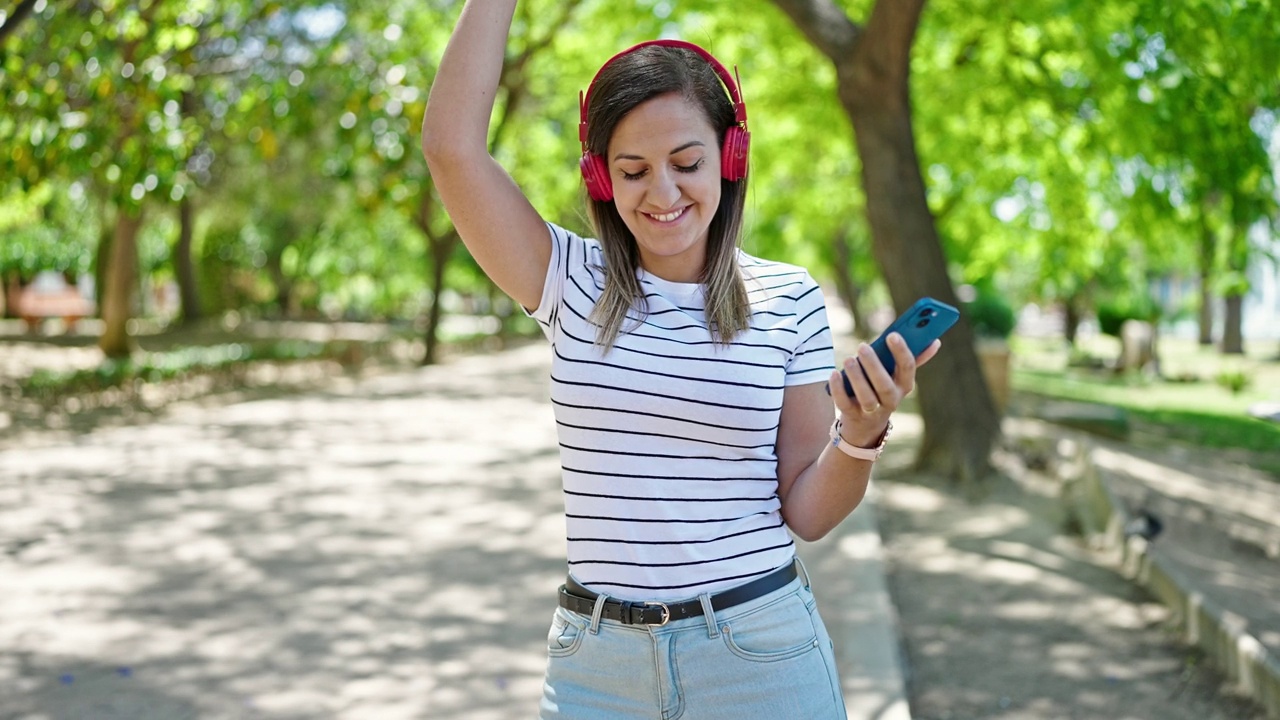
point(709, 612)
point(596, 612)
point(803, 572)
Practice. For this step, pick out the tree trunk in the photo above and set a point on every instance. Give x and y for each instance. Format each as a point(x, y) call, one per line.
point(1232, 324)
point(440, 250)
point(849, 291)
point(1208, 250)
point(1071, 322)
point(183, 268)
point(9, 293)
point(283, 283)
point(120, 278)
point(872, 70)
point(960, 418)
point(102, 261)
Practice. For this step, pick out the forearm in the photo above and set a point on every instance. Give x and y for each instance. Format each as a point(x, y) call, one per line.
point(466, 83)
point(830, 488)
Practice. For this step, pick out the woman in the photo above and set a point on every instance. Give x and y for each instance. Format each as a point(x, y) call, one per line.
point(688, 385)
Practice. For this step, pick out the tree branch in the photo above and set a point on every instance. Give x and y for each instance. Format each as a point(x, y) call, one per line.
point(512, 77)
point(15, 19)
point(825, 25)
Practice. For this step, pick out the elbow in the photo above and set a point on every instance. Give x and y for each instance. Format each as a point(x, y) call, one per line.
point(812, 533)
point(440, 139)
point(435, 145)
point(809, 529)
point(444, 150)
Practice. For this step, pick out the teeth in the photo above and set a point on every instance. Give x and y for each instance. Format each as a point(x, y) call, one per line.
point(669, 216)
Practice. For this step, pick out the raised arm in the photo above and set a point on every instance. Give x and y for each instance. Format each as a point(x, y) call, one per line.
point(494, 219)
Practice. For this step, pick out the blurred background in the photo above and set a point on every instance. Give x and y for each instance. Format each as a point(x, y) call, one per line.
point(204, 197)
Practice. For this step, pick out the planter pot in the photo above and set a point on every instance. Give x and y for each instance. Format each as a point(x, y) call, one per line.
point(994, 356)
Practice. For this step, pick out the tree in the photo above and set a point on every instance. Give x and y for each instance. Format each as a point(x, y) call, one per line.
point(872, 65)
point(398, 45)
point(96, 99)
point(1208, 71)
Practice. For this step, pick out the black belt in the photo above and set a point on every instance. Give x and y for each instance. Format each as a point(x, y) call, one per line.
point(583, 601)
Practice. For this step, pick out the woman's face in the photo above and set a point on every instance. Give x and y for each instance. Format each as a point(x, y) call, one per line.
point(664, 160)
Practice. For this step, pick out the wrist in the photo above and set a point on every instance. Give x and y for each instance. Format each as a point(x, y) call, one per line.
point(858, 432)
point(870, 452)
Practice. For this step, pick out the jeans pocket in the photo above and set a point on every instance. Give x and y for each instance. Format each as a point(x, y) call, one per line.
point(778, 631)
point(565, 636)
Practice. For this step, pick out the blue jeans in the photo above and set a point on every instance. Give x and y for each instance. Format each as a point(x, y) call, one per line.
point(769, 658)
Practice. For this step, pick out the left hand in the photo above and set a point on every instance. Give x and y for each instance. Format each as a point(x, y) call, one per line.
point(863, 418)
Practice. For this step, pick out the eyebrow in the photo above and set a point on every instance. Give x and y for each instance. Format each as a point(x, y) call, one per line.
point(682, 148)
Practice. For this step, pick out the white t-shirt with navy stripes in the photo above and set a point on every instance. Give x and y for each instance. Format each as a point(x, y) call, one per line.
point(667, 441)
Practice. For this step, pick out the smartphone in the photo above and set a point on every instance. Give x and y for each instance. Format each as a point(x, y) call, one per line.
point(920, 325)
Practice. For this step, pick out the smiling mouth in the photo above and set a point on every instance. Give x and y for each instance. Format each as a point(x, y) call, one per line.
point(669, 217)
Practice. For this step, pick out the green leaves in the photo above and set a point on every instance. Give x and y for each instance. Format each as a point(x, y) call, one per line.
point(1067, 147)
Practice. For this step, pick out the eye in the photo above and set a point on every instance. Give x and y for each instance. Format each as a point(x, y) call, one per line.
point(690, 168)
point(634, 176)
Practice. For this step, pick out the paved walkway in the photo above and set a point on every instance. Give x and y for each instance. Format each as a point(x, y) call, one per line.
point(384, 549)
point(1219, 527)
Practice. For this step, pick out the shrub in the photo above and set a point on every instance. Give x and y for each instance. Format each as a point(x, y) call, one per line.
point(990, 314)
point(1113, 313)
point(1234, 380)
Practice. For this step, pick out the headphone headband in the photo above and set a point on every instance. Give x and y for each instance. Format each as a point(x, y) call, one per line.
point(735, 143)
point(739, 107)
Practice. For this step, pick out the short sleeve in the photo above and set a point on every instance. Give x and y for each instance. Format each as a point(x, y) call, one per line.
point(567, 251)
point(813, 359)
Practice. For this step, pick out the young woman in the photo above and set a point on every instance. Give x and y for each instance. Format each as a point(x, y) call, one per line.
point(688, 380)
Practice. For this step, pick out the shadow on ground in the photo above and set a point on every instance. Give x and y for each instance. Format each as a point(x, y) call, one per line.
point(326, 555)
point(1006, 615)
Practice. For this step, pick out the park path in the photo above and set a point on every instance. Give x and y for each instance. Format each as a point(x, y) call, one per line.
point(386, 548)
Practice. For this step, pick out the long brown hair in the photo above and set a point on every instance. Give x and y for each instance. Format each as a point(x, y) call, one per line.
point(620, 87)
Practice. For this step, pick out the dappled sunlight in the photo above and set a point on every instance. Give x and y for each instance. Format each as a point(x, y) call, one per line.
point(1242, 495)
point(993, 521)
point(349, 554)
point(1025, 622)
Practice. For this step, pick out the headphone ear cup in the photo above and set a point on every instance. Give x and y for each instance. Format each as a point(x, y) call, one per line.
point(733, 158)
point(596, 174)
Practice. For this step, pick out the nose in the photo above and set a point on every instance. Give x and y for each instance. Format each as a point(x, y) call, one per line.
point(663, 191)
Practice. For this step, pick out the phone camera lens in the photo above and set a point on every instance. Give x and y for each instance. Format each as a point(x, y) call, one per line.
point(922, 323)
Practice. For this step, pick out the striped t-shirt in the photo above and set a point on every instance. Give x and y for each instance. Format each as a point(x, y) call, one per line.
point(667, 441)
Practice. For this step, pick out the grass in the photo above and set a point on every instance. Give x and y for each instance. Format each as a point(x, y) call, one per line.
point(1191, 401)
point(152, 367)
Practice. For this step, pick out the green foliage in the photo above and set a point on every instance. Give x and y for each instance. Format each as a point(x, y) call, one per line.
point(1068, 149)
point(1113, 312)
point(186, 362)
point(1175, 405)
point(990, 313)
point(1234, 380)
point(48, 228)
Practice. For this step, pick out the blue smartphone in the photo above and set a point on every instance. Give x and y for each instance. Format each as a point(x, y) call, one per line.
point(920, 325)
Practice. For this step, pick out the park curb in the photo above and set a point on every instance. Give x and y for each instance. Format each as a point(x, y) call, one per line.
point(1102, 518)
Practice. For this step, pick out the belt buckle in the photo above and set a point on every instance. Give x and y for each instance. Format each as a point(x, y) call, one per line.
point(666, 613)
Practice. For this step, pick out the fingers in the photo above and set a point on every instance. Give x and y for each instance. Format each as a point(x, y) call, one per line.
point(881, 382)
point(867, 396)
point(874, 388)
point(928, 354)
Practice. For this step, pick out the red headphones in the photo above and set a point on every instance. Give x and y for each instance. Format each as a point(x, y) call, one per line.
point(737, 140)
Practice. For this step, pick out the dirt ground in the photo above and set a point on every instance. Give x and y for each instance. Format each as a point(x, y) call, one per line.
point(1005, 614)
